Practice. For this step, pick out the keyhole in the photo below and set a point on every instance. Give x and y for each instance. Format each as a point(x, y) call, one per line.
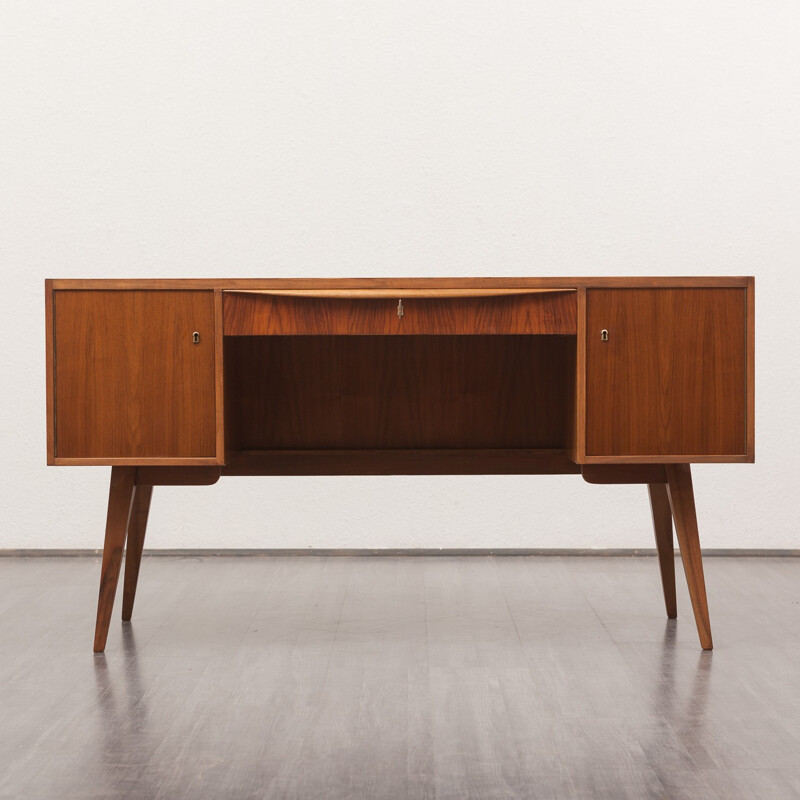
point(400, 309)
point(196, 338)
point(604, 335)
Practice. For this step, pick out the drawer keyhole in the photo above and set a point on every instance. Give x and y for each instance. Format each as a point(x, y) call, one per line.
point(604, 335)
point(196, 337)
point(400, 309)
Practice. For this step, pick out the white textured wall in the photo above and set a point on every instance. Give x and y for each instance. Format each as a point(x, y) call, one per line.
point(255, 139)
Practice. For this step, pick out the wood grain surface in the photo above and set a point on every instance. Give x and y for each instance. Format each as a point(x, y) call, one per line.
point(137, 529)
point(578, 424)
point(398, 462)
point(397, 291)
point(671, 379)
point(670, 393)
point(120, 501)
point(623, 473)
point(751, 369)
point(681, 499)
point(662, 528)
point(515, 283)
point(248, 314)
point(50, 382)
point(129, 382)
point(219, 377)
point(386, 392)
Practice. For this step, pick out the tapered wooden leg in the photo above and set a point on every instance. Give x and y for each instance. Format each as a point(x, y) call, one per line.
point(120, 501)
point(662, 525)
point(681, 498)
point(137, 527)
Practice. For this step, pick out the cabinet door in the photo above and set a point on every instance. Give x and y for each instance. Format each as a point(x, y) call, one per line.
point(130, 383)
point(671, 378)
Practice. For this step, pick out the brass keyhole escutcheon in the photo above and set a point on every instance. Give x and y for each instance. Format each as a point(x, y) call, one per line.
point(196, 338)
point(604, 335)
point(400, 309)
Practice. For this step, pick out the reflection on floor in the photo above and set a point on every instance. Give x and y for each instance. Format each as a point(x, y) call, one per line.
point(394, 677)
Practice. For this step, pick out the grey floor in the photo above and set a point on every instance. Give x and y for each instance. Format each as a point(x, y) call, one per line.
point(394, 677)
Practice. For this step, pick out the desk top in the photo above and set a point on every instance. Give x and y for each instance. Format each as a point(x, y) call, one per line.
point(509, 283)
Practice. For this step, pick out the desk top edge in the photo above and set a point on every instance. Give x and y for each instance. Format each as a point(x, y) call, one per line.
point(398, 283)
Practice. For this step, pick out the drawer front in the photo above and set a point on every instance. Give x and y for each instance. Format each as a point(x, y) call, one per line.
point(259, 314)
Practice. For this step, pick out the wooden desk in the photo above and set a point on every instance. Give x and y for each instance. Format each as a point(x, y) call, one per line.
point(620, 380)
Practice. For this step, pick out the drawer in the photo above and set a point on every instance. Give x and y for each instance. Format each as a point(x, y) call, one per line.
point(397, 311)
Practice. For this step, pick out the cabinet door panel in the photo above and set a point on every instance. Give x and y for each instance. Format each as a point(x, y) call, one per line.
point(129, 381)
point(671, 378)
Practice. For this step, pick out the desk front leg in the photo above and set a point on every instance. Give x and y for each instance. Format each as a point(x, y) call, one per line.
point(120, 503)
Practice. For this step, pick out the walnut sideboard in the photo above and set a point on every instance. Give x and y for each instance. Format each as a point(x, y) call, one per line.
point(620, 380)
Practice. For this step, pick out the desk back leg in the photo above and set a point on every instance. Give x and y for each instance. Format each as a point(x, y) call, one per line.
point(137, 528)
point(681, 498)
point(662, 525)
point(120, 502)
